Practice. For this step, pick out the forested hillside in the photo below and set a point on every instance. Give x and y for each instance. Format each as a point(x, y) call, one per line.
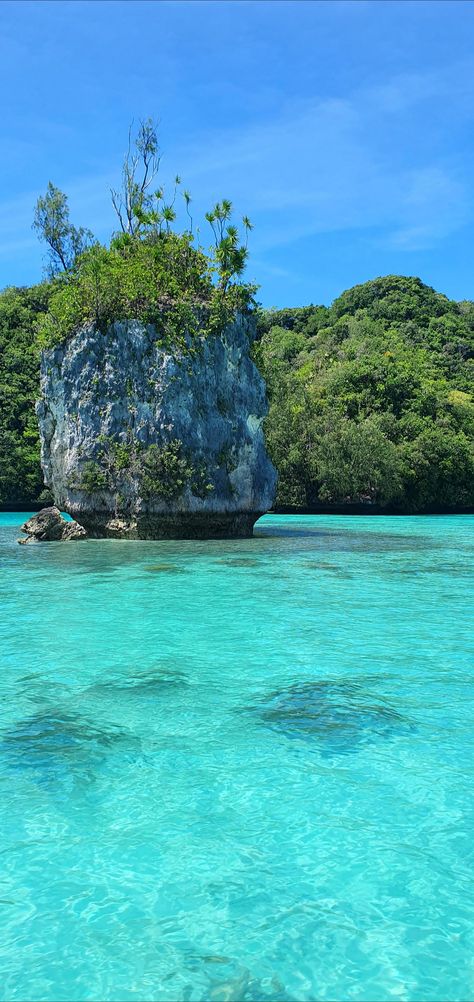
point(21, 480)
point(371, 399)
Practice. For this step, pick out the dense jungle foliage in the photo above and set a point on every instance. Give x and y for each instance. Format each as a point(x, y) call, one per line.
point(21, 479)
point(371, 399)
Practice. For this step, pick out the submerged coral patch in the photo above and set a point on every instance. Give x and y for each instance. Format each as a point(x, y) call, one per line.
point(337, 716)
point(56, 745)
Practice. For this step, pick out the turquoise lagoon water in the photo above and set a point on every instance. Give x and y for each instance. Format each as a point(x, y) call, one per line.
point(239, 770)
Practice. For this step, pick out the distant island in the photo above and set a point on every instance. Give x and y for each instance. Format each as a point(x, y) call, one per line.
point(372, 399)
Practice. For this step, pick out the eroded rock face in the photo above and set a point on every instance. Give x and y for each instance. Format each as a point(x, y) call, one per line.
point(140, 441)
point(49, 526)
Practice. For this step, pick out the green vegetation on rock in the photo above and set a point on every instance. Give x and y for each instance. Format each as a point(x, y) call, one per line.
point(167, 471)
point(162, 472)
point(148, 272)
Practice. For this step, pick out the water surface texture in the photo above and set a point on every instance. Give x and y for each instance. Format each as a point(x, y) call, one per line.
point(239, 770)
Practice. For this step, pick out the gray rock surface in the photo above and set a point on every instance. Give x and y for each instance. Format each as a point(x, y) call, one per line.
point(49, 526)
point(142, 441)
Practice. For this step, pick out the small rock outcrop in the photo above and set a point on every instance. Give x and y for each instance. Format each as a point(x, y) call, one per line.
point(143, 441)
point(49, 526)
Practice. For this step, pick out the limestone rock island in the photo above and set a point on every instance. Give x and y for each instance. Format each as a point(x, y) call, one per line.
point(143, 442)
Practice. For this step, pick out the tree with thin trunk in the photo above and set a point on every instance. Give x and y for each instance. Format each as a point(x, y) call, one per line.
point(136, 204)
point(65, 241)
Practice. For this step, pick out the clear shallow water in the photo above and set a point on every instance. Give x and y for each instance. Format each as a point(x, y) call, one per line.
point(239, 770)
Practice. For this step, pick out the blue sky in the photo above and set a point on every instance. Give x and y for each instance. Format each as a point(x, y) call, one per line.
point(343, 129)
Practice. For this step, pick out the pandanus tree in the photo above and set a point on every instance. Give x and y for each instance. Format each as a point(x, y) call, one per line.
point(229, 254)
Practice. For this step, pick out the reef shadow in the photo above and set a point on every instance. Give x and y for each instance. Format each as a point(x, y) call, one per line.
point(57, 746)
point(339, 717)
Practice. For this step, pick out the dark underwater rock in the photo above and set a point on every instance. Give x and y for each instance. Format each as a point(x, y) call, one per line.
point(338, 716)
point(227, 980)
point(49, 526)
point(56, 745)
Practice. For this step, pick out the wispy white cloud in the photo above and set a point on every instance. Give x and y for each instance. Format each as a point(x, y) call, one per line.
point(435, 204)
point(318, 166)
point(329, 165)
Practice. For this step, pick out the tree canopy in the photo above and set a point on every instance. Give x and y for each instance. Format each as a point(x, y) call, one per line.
point(51, 221)
point(21, 479)
point(151, 266)
point(371, 399)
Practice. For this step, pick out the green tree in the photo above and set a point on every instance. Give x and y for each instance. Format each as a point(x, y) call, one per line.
point(137, 205)
point(357, 462)
point(52, 223)
point(438, 468)
point(230, 255)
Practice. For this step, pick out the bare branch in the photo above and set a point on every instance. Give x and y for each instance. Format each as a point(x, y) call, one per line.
point(134, 205)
